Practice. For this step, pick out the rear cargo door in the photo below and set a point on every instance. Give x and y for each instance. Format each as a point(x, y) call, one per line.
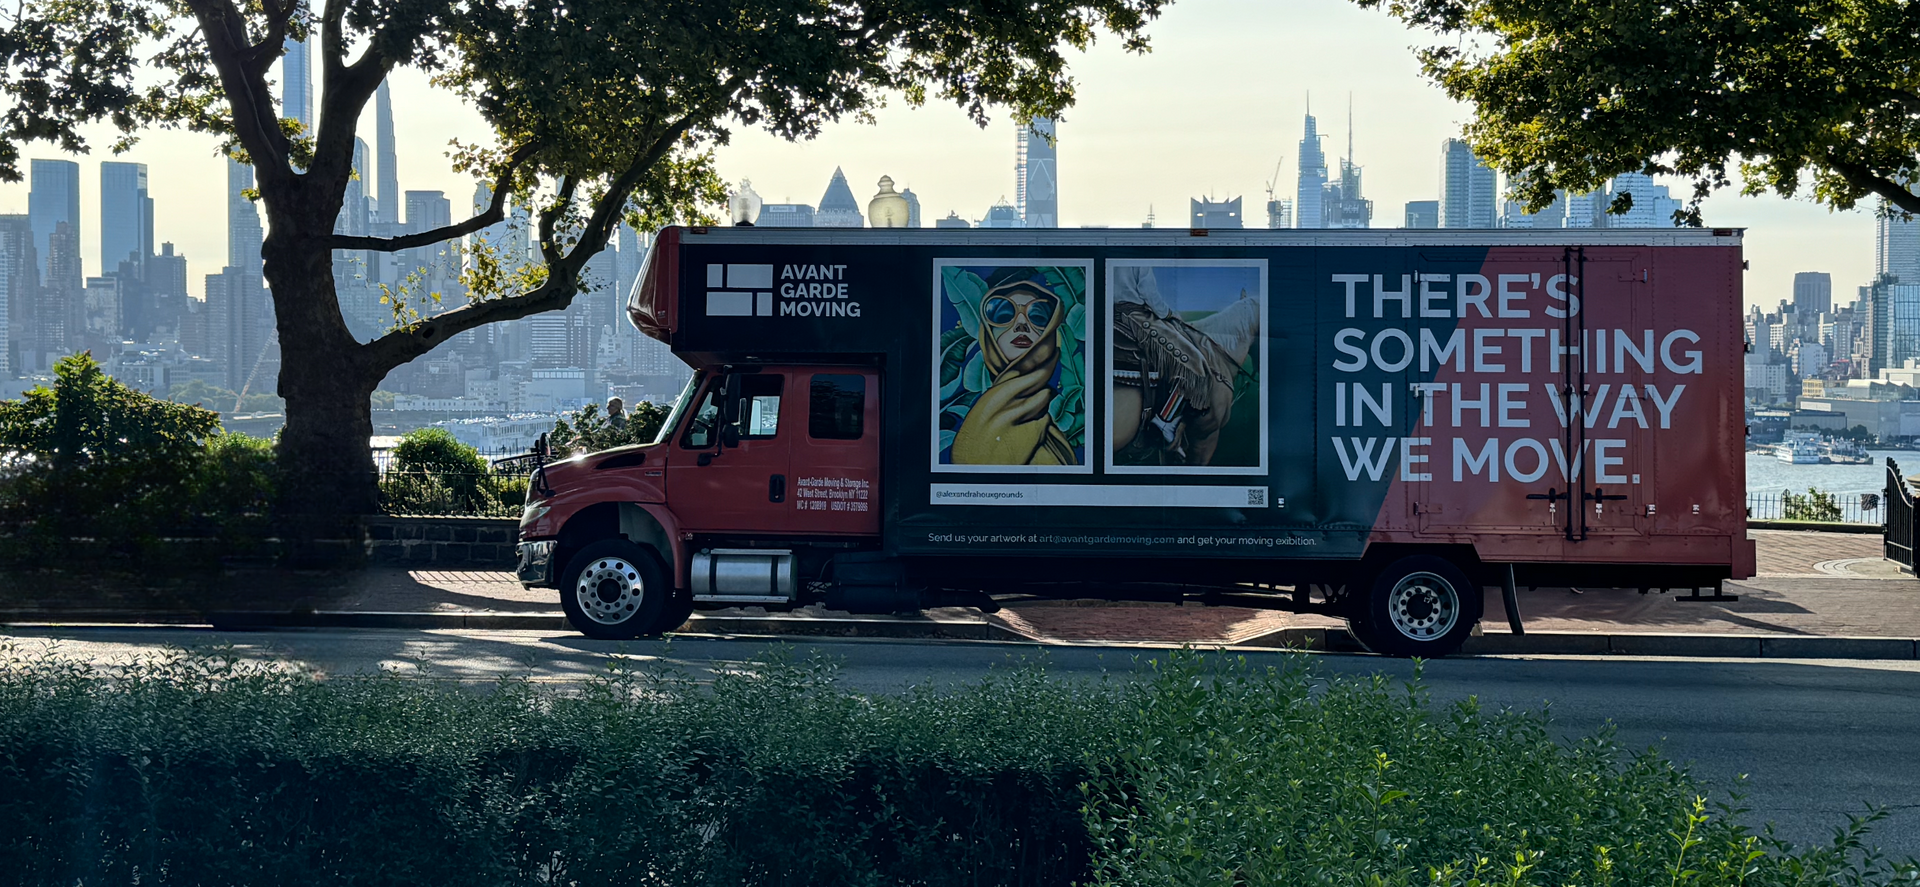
point(1513, 449)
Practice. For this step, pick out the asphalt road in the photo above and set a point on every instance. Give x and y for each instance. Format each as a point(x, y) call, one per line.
point(1816, 739)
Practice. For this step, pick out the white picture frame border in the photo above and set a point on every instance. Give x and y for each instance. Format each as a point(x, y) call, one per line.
point(1266, 349)
point(1087, 399)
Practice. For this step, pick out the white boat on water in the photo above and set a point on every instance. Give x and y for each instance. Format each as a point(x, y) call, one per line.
point(1798, 451)
point(1804, 448)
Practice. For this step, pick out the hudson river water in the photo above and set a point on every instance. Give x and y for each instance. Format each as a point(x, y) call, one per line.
point(1767, 474)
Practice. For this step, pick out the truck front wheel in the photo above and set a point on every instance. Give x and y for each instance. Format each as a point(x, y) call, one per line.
point(615, 590)
point(1417, 606)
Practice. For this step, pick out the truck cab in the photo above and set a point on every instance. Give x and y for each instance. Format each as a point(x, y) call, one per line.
point(760, 476)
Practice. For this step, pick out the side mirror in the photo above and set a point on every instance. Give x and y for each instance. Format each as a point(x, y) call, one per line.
point(730, 435)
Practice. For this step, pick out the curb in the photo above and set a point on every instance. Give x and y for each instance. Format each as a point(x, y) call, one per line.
point(852, 626)
point(1817, 526)
point(1335, 640)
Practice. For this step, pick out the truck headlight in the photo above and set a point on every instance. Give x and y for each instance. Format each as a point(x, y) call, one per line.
point(533, 512)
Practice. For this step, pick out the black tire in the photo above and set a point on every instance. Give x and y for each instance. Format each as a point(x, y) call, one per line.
point(615, 590)
point(1417, 606)
point(679, 608)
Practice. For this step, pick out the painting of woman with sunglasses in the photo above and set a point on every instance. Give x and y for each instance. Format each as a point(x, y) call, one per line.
point(1012, 369)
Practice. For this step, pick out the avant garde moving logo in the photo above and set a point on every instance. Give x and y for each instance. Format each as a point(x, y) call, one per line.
point(805, 291)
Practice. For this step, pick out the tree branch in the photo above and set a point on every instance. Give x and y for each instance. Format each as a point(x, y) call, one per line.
point(255, 119)
point(1860, 176)
point(404, 344)
point(550, 217)
point(495, 211)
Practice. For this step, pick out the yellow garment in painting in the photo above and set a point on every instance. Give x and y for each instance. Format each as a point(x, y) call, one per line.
point(1009, 423)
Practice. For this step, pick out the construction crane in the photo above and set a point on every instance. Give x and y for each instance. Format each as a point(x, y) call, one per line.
point(1273, 200)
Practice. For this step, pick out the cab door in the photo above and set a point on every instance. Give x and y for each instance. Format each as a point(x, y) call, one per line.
point(730, 472)
point(836, 461)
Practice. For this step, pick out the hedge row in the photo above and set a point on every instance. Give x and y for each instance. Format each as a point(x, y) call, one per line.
point(205, 772)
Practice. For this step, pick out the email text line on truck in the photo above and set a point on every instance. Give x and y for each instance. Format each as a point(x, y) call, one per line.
point(1375, 425)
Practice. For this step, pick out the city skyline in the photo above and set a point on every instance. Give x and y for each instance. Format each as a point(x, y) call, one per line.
point(1221, 133)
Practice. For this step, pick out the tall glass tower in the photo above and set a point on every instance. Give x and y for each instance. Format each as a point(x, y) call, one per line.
point(54, 197)
point(1036, 181)
point(1308, 202)
point(126, 216)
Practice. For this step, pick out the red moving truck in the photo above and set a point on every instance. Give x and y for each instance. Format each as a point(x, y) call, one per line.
point(1376, 425)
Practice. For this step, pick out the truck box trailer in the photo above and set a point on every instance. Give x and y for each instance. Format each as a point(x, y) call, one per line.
point(1376, 425)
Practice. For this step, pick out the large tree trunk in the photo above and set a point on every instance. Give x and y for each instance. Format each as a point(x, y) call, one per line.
point(327, 471)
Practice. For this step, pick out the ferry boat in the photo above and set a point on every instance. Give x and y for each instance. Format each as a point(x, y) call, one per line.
point(1844, 452)
point(1799, 448)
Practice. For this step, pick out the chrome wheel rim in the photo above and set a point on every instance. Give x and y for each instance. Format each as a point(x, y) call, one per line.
point(610, 590)
point(1423, 606)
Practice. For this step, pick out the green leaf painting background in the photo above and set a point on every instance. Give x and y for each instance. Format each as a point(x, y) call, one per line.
point(963, 371)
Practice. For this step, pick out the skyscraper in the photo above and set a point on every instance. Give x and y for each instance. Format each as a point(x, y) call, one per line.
point(62, 313)
point(913, 207)
point(1422, 214)
point(1653, 207)
point(1210, 213)
point(1308, 199)
point(19, 289)
point(387, 197)
point(1896, 247)
point(838, 209)
point(296, 84)
point(1812, 293)
point(1344, 206)
point(126, 217)
point(1036, 183)
point(54, 199)
point(1468, 189)
point(248, 315)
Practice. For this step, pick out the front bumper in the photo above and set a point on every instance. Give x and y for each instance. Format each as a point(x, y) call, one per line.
point(536, 562)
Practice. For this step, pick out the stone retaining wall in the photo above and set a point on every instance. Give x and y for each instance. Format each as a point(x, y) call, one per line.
point(470, 542)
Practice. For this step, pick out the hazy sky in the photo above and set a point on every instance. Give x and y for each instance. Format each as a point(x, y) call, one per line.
point(1210, 111)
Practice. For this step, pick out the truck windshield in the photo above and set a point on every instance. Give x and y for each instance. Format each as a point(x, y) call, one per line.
point(679, 407)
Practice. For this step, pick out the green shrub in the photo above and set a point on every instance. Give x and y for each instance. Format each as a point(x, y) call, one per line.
point(1815, 505)
point(432, 473)
point(588, 431)
point(90, 458)
point(1211, 771)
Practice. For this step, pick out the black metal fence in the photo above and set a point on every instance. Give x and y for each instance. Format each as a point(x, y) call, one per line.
point(500, 491)
point(1899, 537)
point(1852, 508)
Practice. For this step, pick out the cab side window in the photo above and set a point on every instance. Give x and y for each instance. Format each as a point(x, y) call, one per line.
point(760, 399)
point(706, 418)
point(761, 394)
point(836, 406)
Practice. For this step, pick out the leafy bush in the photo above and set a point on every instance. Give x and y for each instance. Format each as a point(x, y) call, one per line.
point(91, 458)
point(432, 473)
point(200, 771)
point(1815, 505)
point(588, 431)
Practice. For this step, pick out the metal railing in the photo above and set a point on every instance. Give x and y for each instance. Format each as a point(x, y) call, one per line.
point(1851, 508)
point(1899, 538)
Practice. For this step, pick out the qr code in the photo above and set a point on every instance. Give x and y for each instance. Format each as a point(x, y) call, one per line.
point(1256, 497)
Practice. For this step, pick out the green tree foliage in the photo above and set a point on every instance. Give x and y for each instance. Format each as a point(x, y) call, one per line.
point(1815, 505)
point(1788, 92)
point(587, 430)
point(432, 473)
point(93, 458)
point(600, 111)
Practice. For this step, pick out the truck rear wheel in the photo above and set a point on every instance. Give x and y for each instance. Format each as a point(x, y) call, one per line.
point(615, 590)
point(1417, 606)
